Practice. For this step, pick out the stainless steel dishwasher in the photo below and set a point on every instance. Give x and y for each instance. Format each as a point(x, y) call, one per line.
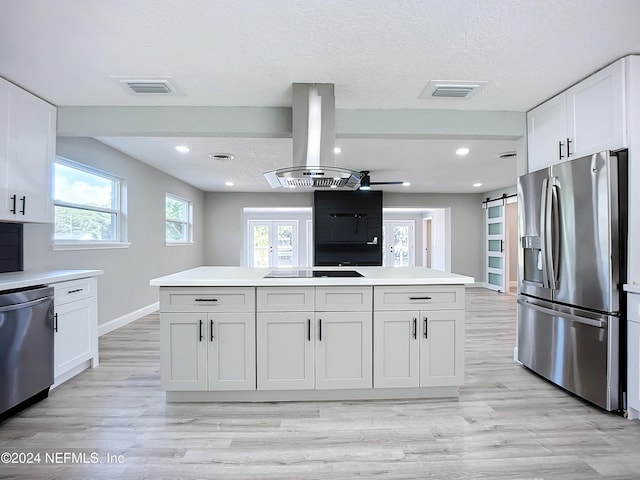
point(26, 347)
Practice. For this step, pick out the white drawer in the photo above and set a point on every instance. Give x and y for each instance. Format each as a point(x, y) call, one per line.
point(65, 292)
point(633, 307)
point(199, 299)
point(418, 297)
point(344, 299)
point(285, 299)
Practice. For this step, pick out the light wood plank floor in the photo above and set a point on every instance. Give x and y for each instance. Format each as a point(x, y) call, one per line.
point(507, 423)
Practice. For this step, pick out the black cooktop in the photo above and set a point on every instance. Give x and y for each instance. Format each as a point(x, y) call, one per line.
point(311, 273)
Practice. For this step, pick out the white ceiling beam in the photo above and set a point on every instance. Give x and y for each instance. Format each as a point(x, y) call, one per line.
point(275, 122)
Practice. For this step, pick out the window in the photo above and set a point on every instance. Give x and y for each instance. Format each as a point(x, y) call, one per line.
point(87, 204)
point(178, 225)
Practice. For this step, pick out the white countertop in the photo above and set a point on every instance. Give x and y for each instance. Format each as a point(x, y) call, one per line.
point(250, 277)
point(29, 278)
point(631, 288)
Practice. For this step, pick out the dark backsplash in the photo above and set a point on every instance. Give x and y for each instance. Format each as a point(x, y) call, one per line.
point(345, 226)
point(11, 247)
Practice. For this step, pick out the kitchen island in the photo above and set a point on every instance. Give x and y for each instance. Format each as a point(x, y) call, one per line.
point(245, 334)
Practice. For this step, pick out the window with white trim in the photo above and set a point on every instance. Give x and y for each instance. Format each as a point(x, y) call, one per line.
point(178, 224)
point(87, 204)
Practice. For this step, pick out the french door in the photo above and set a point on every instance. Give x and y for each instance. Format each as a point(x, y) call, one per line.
point(398, 244)
point(495, 258)
point(273, 244)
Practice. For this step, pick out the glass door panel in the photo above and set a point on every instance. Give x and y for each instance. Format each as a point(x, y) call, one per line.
point(495, 274)
point(273, 244)
point(398, 244)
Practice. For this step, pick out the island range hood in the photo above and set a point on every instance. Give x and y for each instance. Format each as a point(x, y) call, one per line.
point(313, 132)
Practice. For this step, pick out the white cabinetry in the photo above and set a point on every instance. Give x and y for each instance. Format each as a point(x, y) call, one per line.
point(633, 356)
point(314, 338)
point(587, 118)
point(27, 148)
point(418, 336)
point(75, 327)
point(207, 339)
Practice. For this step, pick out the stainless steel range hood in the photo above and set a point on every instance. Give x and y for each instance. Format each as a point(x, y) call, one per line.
point(313, 143)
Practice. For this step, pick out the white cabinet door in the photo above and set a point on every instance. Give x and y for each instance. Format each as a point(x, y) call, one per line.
point(72, 337)
point(231, 354)
point(441, 348)
point(633, 368)
point(30, 149)
point(546, 133)
point(396, 349)
point(183, 343)
point(343, 350)
point(596, 113)
point(285, 350)
point(6, 189)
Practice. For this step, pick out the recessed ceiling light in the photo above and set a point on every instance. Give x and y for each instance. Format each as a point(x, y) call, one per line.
point(476, 185)
point(337, 150)
point(406, 184)
point(229, 184)
point(182, 148)
point(462, 151)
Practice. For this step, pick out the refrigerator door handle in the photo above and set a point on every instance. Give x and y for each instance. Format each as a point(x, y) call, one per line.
point(554, 233)
point(543, 232)
point(548, 234)
point(568, 316)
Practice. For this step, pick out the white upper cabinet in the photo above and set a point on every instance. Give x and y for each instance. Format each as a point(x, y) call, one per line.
point(27, 149)
point(587, 118)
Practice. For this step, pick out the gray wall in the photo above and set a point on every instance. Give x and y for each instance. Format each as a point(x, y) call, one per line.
point(124, 287)
point(224, 230)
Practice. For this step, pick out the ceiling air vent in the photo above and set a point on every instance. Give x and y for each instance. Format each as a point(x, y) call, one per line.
point(147, 85)
point(451, 89)
point(150, 87)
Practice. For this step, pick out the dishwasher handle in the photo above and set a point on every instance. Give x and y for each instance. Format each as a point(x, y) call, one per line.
point(18, 306)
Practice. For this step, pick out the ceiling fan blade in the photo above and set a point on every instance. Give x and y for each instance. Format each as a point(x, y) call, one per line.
point(386, 183)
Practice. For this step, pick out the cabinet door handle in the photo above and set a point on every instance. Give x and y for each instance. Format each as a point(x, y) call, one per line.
point(23, 199)
point(13, 200)
point(426, 334)
point(419, 298)
point(320, 329)
point(206, 299)
point(308, 329)
point(211, 327)
point(55, 322)
point(569, 142)
point(200, 330)
point(415, 328)
point(560, 156)
point(74, 291)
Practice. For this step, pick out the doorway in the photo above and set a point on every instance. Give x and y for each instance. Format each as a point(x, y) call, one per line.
point(501, 244)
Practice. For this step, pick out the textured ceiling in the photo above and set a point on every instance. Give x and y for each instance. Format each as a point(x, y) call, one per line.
point(380, 54)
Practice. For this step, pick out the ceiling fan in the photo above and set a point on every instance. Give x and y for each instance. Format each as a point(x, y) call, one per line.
point(365, 181)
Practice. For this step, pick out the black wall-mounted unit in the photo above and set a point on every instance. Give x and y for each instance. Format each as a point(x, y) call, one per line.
point(347, 228)
point(11, 247)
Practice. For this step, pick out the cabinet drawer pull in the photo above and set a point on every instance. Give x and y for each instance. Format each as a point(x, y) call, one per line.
point(69, 292)
point(426, 334)
point(320, 329)
point(206, 299)
point(55, 323)
point(419, 298)
point(569, 142)
point(211, 327)
point(200, 330)
point(560, 156)
point(23, 199)
point(308, 329)
point(13, 198)
point(415, 328)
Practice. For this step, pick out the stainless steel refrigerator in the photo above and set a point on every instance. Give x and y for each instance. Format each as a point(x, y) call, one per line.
point(572, 265)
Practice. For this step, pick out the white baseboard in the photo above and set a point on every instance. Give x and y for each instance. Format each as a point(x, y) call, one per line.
point(111, 325)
